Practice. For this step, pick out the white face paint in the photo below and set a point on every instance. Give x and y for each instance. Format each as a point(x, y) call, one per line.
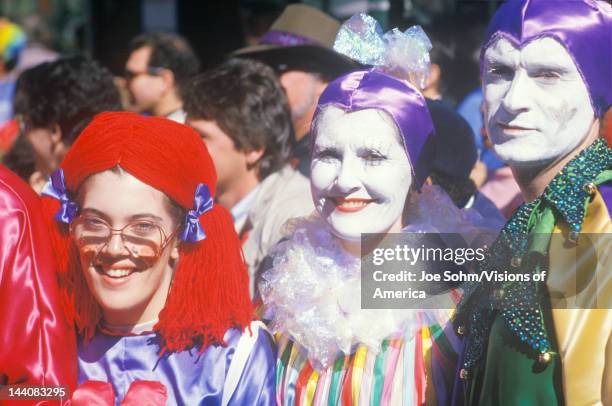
point(537, 106)
point(360, 173)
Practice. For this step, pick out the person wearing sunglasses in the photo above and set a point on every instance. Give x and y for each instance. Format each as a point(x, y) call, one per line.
point(151, 269)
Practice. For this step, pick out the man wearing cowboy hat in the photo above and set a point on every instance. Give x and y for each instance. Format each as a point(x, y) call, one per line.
point(299, 47)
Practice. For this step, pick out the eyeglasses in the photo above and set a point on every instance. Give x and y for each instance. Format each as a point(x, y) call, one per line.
point(144, 240)
point(129, 75)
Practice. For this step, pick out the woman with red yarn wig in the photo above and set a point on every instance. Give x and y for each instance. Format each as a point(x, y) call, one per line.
point(151, 271)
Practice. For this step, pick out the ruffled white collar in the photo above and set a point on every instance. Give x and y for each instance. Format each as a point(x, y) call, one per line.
point(313, 290)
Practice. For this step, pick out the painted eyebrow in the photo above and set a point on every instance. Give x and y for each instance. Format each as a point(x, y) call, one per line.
point(367, 150)
point(374, 148)
point(319, 149)
point(547, 65)
point(495, 56)
point(138, 216)
point(498, 61)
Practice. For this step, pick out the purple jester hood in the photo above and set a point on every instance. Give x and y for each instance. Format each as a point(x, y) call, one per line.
point(583, 27)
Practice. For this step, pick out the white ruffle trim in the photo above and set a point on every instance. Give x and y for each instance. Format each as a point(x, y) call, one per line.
point(313, 290)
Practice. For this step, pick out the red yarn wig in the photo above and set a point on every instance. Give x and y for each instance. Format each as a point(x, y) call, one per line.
point(209, 292)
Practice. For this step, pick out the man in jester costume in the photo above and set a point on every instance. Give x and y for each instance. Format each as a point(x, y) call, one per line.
point(546, 69)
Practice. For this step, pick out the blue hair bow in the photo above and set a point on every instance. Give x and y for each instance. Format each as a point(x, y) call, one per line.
point(56, 188)
point(203, 202)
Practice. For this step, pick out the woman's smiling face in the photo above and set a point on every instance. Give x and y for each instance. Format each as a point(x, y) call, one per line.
point(360, 172)
point(130, 288)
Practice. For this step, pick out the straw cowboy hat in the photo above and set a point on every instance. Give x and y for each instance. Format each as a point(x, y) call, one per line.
point(301, 39)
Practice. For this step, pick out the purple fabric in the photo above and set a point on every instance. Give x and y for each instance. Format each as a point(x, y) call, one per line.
point(373, 89)
point(443, 376)
point(581, 26)
point(606, 194)
point(189, 377)
point(56, 188)
point(286, 39)
point(203, 202)
point(459, 385)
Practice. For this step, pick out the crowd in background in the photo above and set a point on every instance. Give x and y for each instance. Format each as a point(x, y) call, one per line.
point(59, 97)
point(256, 113)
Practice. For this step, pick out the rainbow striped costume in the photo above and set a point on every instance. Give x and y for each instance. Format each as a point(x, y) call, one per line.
point(332, 352)
point(405, 372)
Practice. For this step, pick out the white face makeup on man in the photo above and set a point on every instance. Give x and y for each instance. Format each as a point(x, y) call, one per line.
point(360, 173)
point(537, 106)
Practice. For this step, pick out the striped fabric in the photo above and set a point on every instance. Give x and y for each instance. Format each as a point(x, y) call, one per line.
point(414, 371)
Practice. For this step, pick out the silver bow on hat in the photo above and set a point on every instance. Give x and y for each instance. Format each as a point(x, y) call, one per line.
point(404, 55)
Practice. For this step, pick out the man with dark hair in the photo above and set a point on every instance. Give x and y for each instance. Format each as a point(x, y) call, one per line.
point(241, 112)
point(54, 101)
point(299, 48)
point(157, 71)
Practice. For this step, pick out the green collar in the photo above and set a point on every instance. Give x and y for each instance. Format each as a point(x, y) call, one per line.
point(566, 197)
point(568, 191)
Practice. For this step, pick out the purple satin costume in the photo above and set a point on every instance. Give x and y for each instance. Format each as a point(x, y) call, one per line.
point(190, 378)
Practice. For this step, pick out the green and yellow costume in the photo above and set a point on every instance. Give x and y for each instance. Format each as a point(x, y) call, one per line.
point(547, 343)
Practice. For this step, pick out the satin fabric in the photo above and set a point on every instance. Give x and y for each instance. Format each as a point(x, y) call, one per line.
point(509, 378)
point(36, 345)
point(583, 334)
point(93, 393)
point(581, 26)
point(96, 393)
point(406, 371)
point(582, 373)
point(373, 89)
point(56, 188)
point(203, 202)
point(606, 194)
point(190, 378)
